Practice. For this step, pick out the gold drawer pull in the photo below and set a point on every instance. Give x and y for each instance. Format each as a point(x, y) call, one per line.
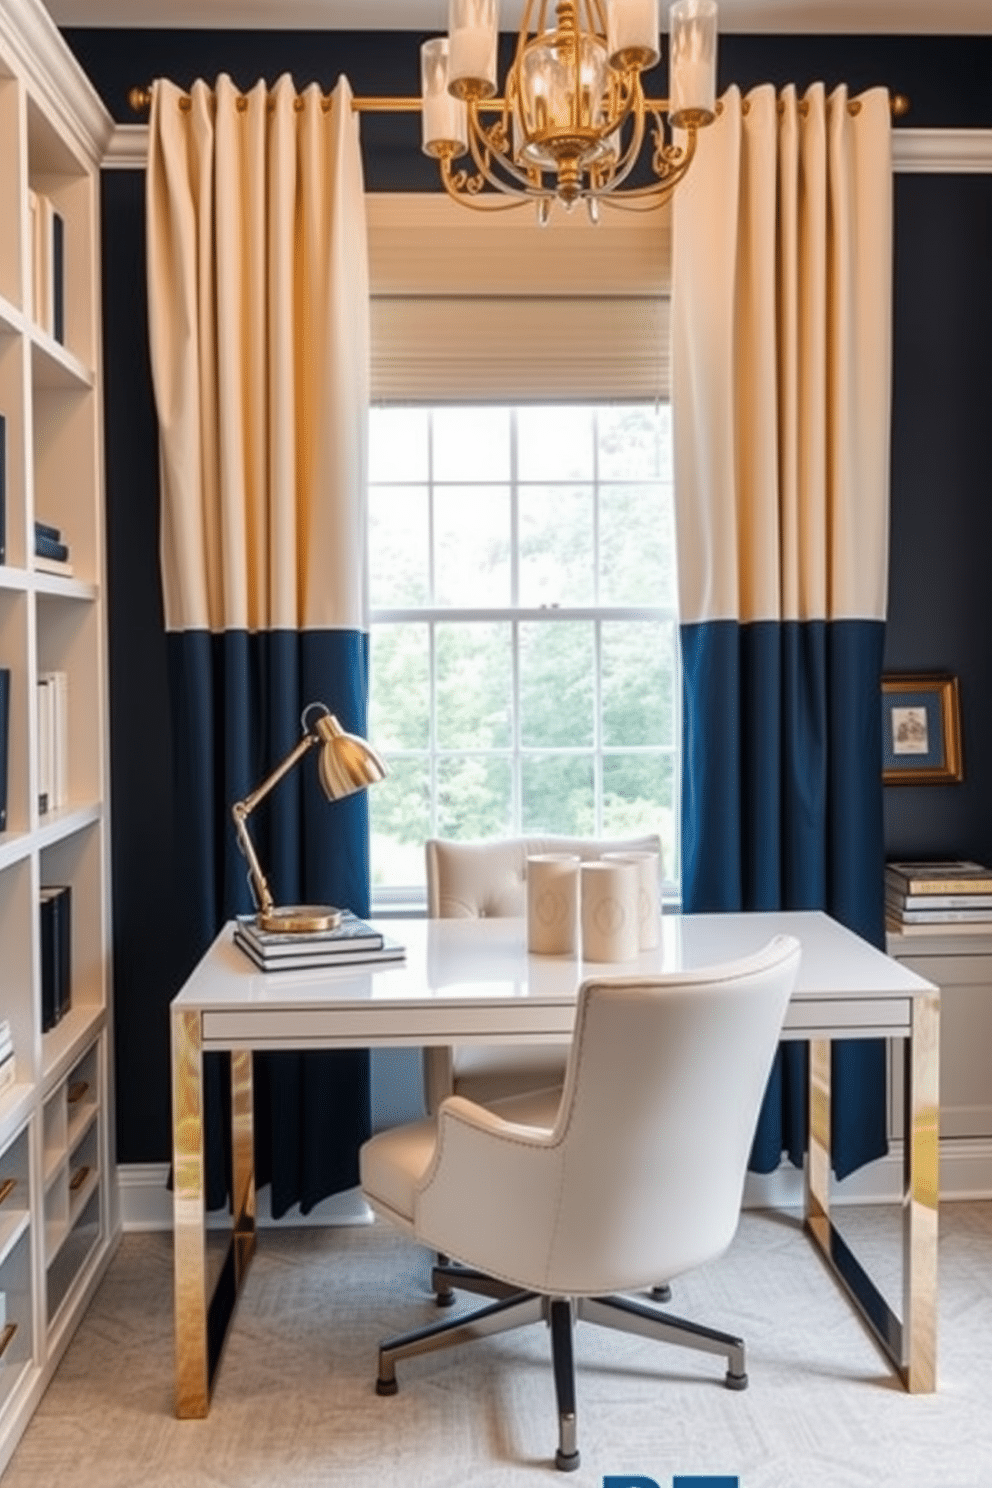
point(6, 1336)
point(7, 1186)
point(77, 1090)
point(78, 1178)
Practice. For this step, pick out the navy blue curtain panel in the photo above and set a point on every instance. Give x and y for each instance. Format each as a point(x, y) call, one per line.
point(237, 700)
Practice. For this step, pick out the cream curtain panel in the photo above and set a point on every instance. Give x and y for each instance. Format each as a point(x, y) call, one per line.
point(259, 329)
point(258, 307)
point(782, 348)
point(781, 371)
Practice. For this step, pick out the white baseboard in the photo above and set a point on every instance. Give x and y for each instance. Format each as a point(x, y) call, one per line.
point(965, 1173)
point(146, 1203)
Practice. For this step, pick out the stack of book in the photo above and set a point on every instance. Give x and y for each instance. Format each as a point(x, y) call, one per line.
point(51, 552)
point(353, 942)
point(8, 1072)
point(920, 896)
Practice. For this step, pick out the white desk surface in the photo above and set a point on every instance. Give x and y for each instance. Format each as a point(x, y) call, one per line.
point(465, 980)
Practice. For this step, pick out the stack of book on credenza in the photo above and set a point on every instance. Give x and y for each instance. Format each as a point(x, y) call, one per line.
point(924, 897)
point(353, 942)
point(8, 1072)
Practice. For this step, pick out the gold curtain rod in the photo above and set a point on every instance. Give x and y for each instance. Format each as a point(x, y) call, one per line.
point(140, 100)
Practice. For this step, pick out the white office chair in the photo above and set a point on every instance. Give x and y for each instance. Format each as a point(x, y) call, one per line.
point(634, 1170)
point(473, 880)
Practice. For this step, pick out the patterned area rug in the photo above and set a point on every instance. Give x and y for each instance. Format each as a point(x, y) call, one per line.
point(295, 1405)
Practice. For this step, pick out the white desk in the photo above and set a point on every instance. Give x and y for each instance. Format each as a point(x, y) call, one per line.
point(472, 981)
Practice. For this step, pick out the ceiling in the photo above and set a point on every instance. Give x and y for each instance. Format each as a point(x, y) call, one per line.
point(913, 17)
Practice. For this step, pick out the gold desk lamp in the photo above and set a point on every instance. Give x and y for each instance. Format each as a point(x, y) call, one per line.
point(346, 764)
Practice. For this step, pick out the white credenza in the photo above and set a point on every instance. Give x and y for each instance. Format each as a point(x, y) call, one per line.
point(59, 1217)
point(959, 961)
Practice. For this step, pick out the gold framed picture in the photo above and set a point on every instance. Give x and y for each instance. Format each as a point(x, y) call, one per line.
point(921, 729)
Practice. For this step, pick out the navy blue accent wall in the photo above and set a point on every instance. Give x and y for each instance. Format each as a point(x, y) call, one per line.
point(941, 452)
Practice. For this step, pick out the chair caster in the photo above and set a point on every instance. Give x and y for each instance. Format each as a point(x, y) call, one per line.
point(661, 1293)
point(735, 1381)
point(567, 1461)
point(386, 1386)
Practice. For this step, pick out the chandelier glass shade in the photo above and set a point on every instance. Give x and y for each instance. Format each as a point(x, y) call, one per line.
point(573, 116)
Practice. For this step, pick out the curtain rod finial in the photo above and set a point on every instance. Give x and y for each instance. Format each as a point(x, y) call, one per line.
point(140, 99)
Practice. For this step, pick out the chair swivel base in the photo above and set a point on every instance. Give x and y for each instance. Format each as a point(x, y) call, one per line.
point(516, 1309)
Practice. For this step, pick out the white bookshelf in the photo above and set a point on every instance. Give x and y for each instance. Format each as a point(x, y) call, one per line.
point(59, 1219)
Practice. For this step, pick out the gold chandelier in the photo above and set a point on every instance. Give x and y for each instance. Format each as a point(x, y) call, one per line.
point(573, 117)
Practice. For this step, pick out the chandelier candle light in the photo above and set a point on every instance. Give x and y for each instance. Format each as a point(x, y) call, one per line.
point(573, 116)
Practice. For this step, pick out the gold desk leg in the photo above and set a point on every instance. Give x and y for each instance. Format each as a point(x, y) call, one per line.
point(189, 1239)
point(909, 1343)
point(818, 1156)
point(921, 1162)
point(243, 1161)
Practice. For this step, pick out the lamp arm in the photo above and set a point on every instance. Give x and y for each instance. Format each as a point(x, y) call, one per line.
point(241, 810)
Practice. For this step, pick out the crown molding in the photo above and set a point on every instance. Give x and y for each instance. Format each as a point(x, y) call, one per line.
point(127, 148)
point(954, 151)
point(29, 36)
point(921, 151)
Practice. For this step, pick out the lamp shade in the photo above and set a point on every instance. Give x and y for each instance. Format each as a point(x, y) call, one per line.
point(346, 763)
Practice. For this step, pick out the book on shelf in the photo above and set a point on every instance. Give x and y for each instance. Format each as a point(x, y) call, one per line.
point(314, 957)
point(53, 741)
point(352, 934)
point(957, 876)
point(48, 234)
point(55, 911)
point(897, 926)
point(8, 1071)
point(901, 902)
point(45, 529)
point(942, 916)
point(50, 547)
point(4, 742)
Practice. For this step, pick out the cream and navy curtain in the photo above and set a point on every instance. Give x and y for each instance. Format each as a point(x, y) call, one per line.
point(782, 262)
point(258, 309)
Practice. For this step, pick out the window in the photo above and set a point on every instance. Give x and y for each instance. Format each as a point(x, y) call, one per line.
point(524, 638)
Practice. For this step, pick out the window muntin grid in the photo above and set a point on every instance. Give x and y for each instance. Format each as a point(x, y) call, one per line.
point(524, 635)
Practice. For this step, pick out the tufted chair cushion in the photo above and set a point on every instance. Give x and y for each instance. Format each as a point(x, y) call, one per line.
point(473, 880)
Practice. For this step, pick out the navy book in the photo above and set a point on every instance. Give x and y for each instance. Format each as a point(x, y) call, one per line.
point(56, 954)
point(58, 277)
point(47, 547)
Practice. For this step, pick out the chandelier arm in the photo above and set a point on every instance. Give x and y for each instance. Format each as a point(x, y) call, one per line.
point(661, 189)
point(465, 197)
point(625, 164)
point(480, 145)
